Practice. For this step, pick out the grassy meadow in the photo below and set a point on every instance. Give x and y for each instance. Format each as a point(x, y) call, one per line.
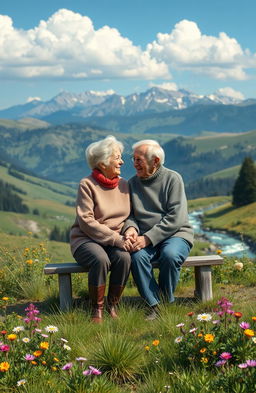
point(190, 347)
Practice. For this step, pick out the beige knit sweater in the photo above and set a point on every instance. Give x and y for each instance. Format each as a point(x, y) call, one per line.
point(100, 213)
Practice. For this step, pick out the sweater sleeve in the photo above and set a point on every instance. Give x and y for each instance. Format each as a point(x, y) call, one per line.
point(175, 216)
point(91, 227)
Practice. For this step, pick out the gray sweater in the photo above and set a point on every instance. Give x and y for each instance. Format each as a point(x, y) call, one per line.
point(159, 207)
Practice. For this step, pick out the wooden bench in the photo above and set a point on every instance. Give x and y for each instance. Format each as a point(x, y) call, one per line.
point(202, 267)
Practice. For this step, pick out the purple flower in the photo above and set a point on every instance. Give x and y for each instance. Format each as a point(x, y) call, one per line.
point(67, 366)
point(29, 357)
point(220, 363)
point(225, 355)
point(243, 365)
point(251, 363)
point(244, 325)
point(92, 371)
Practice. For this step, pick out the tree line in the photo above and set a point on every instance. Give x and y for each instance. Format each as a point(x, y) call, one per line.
point(9, 200)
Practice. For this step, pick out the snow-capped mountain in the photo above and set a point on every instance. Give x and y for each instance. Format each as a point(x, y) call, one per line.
point(98, 104)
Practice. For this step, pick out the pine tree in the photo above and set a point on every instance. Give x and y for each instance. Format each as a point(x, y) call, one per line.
point(244, 191)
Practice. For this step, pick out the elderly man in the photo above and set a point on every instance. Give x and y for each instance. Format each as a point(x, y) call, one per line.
point(158, 226)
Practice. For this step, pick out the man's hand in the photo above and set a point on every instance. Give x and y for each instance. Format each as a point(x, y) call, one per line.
point(141, 242)
point(131, 234)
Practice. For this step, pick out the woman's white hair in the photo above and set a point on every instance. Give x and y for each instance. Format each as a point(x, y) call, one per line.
point(101, 151)
point(153, 150)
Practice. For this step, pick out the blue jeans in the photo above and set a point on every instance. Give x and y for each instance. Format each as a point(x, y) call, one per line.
point(170, 254)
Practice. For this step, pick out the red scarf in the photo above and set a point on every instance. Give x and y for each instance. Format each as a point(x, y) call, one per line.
point(104, 181)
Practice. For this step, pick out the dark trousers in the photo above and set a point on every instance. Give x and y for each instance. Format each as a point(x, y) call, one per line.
point(100, 260)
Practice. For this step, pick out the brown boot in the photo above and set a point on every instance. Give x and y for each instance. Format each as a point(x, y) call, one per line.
point(114, 294)
point(96, 295)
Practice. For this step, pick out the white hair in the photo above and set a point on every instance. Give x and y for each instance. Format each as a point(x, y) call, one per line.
point(101, 151)
point(153, 150)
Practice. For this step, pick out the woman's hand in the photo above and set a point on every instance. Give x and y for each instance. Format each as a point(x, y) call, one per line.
point(131, 234)
point(141, 242)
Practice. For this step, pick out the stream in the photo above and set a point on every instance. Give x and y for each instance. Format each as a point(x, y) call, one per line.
point(228, 244)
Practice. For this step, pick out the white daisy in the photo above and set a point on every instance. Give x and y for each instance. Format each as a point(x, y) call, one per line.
point(67, 347)
point(51, 329)
point(21, 382)
point(204, 317)
point(25, 340)
point(178, 339)
point(18, 329)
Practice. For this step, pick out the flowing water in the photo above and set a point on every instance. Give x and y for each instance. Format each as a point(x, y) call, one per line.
point(228, 244)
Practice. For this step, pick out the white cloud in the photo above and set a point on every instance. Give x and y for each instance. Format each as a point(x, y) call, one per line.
point(67, 46)
point(167, 86)
point(188, 49)
point(30, 99)
point(230, 92)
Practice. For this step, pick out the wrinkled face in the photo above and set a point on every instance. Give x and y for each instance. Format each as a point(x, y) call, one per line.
point(144, 168)
point(113, 169)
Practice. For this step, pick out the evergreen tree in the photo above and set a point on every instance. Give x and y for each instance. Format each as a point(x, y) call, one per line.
point(244, 191)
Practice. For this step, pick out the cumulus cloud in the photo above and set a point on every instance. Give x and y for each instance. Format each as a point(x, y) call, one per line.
point(167, 86)
point(67, 46)
point(188, 49)
point(230, 92)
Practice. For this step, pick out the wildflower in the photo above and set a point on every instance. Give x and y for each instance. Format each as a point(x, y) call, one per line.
point(81, 359)
point(220, 363)
point(209, 338)
point(204, 360)
point(249, 333)
point(204, 317)
point(254, 319)
point(44, 345)
point(254, 340)
point(53, 368)
point(216, 322)
point(12, 337)
point(4, 366)
point(155, 343)
point(56, 360)
point(92, 371)
point(5, 299)
point(51, 329)
point(37, 353)
point(29, 261)
point(34, 363)
point(193, 330)
point(21, 382)
point(238, 266)
point(4, 348)
point(214, 353)
point(251, 363)
point(244, 325)
point(180, 325)
point(225, 356)
point(243, 365)
point(200, 335)
point(203, 350)
point(3, 332)
point(147, 347)
point(219, 251)
point(67, 366)
point(67, 347)
point(44, 335)
point(29, 357)
point(64, 340)
point(25, 340)
point(178, 339)
point(238, 315)
point(43, 362)
point(18, 329)
point(190, 313)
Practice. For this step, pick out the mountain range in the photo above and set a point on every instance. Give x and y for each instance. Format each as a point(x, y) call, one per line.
point(159, 110)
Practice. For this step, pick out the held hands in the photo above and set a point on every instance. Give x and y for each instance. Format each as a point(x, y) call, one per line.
point(133, 242)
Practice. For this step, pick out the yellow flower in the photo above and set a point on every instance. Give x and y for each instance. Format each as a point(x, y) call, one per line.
point(4, 366)
point(44, 345)
point(37, 353)
point(29, 261)
point(147, 347)
point(12, 337)
point(254, 319)
point(249, 332)
point(202, 350)
point(56, 360)
point(5, 298)
point(200, 335)
point(238, 266)
point(214, 353)
point(209, 338)
point(34, 363)
point(54, 368)
point(43, 362)
point(219, 252)
point(204, 360)
point(155, 343)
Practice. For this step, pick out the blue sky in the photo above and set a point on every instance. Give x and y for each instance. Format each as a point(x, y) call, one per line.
point(126, 46)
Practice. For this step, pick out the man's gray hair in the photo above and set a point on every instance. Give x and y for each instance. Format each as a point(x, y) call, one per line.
point(101, 151)
point(153, 150)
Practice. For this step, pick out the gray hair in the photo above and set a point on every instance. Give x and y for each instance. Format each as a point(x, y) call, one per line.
point(153, 150)
point(101, 151)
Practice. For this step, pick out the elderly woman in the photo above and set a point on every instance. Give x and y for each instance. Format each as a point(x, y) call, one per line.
point(102, 206)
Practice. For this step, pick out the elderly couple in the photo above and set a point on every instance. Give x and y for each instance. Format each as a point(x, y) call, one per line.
point(124, 225)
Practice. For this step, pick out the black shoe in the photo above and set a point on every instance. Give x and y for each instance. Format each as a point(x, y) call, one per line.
point(152, 313)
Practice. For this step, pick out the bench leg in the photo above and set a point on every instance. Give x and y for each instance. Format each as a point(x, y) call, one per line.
point(65, 291)
point(203, 282)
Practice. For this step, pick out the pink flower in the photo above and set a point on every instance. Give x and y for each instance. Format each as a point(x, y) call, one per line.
point(67, 366)
point(92, 371)
point(29, 357)
point(244, 325)
point(251, 363)
point(220, 363)
point(243, 365)
point(225, 355)
point(4, 348)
